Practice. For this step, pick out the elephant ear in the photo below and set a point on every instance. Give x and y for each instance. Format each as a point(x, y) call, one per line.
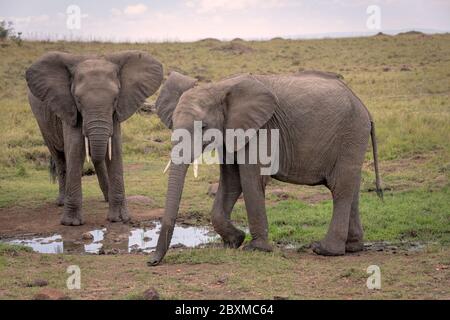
point(175, 85)
point(140, 76)
point(49, 80)
point(249, 105)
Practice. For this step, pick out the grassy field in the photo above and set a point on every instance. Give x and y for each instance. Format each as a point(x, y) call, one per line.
point(403, 80)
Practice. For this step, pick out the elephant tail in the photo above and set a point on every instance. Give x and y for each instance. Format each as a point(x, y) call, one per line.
point(52, 170)
point(379, 190)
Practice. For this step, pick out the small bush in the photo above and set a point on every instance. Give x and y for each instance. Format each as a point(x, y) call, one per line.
point(7, 32)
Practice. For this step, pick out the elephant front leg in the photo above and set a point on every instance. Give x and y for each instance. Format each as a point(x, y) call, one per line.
point(227, 194)
point(74, 154)
point(102, 177)
point(60, 167)
point(118, 210)
point(253, 187)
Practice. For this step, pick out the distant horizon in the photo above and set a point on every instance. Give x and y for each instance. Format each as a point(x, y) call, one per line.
point(318, 36)
point(192, 20)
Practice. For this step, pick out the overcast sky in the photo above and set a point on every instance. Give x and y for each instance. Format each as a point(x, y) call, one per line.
point(160, 20)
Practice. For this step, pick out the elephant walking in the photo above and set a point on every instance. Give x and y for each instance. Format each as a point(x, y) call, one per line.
point(79, 102)
point(323, 136)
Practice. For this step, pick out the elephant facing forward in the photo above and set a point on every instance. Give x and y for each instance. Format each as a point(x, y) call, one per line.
point(79, 102)
point(323, 136)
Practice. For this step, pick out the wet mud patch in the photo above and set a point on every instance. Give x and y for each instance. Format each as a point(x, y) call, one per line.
point(402, 247)
point(395, 247)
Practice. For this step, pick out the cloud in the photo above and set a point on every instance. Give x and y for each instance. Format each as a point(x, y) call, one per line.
point(135, 9)
point(24, 21)
point(207, 6)
point(131, 10)
point(116, 12)
point(227, 19)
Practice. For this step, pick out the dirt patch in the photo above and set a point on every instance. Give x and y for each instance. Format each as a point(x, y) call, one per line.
point(140, 200)
point(209, 42)
point(46, 218)
point(307, 194)
point(234, 48)
point(292, 275)
point(392, 166)
point(411, 33)
point(381, 34)
point(315, 197)
point(406, 166)
point(50, 294)
point(134, 167)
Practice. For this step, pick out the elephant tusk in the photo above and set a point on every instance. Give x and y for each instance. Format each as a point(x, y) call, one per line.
point(110, 148)
point(196, 168)
point(167, 166)
point(86, 145)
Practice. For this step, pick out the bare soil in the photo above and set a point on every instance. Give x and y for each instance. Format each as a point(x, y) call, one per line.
point(209, 273)
point(292, 275)
point(45, 219)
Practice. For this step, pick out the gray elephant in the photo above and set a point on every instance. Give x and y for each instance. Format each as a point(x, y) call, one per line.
point(323, 131)
point(79, 102)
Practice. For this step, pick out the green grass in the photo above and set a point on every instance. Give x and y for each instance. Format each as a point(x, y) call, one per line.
point(11, 249)
point(411, 110)
point(189, 274)
point(418, 215)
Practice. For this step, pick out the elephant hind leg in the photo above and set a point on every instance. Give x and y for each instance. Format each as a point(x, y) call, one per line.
point(355, 231)
point(343, 191)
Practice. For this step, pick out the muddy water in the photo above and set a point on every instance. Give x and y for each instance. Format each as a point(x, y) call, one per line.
point(103, 242)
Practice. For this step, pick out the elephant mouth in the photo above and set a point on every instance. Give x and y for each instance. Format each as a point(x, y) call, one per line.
point(98, 148)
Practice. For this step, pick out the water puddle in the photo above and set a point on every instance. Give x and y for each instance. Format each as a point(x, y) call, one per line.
point(51, 244)
point(103, 241)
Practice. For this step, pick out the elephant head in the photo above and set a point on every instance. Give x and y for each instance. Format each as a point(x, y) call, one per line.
point(175, 85)
point(241, 102)
point(93, 91)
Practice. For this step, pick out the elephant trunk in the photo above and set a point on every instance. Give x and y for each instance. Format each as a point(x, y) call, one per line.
point(98, 135)
point(174, 190)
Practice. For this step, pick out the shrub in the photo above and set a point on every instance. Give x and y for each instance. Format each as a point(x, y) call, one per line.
point(7, 32)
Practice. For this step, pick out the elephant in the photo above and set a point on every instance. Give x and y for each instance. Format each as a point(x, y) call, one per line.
point(324, 131)
point(79, 102)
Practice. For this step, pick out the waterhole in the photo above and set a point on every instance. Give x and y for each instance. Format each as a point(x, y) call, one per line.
point(102, 241)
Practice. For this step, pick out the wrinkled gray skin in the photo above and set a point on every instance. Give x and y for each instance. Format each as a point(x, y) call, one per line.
point(78, 96)
point(324, 131)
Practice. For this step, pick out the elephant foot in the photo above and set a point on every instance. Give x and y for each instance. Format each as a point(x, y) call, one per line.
point(322, 249)
point(354, 246)
point(72, 220)
point(235, 240)
point(118, 214)
point(60, 200)
point(155, 259)
point(259, 245)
